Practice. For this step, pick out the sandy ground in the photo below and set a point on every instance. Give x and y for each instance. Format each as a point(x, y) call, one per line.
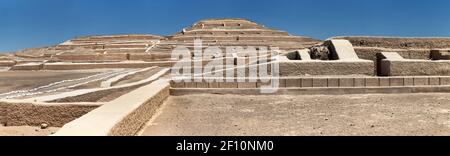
point(19, 80)
point(129, 79)
point(24, 81)
point(376, 114)
point(26, 131)
point(138, 77)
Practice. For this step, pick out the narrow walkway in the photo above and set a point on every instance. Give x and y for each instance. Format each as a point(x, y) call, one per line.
point(64, 84)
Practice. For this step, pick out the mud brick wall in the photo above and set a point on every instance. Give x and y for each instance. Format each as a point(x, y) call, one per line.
point(370, 54)
point(323, 82)
point(133, 122)
point(77, 66)
point(93, 57)
point(124, 116)
point(414, 68)
point(111, 46)
point(28, 67)
point(298, 68)
point(28, 114)
point(399, 43)
point(7, 63)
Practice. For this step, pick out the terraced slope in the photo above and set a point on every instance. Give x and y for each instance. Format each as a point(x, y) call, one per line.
point(213, 32)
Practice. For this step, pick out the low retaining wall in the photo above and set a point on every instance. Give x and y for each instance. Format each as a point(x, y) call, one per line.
point(316, 91)
point(369, 53)
point(87, 57)
point(78, 66)
point(28, 66)
point(7, 63)
point(414, 67)
point(124, 116)
point(112, 81)
point(92, 95)
point(34, 114)
point(324, 82)
point(298, 68)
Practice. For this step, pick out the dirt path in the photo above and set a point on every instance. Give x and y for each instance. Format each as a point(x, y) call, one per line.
point(61, 85)
point(376, 114)
point(26, 131)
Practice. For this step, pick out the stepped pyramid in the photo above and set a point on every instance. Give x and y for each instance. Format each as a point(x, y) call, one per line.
point(213, 32)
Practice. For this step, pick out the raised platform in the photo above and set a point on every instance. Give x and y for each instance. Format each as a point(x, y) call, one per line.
point(391, 64)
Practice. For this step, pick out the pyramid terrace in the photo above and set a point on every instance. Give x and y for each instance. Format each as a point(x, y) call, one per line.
point(227, 76)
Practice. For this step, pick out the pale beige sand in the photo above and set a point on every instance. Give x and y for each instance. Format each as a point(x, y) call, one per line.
point(26, 131)
point(375, 114)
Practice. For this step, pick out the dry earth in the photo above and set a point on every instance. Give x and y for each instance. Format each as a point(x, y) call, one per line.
point(20, 80)
point(26, 131)
point(375, 114)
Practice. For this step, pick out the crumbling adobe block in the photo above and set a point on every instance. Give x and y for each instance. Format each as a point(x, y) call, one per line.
point(408, 81)
point(393, 65)
point(228, 85)
point(434, 81)
point(440, 54)
point(372, 82)
point(293, 82)
point(421, 81)
point(333, 82)
point(307, 82)
point(394, 81)
point(320, 82)
point(246, 84)
point(342, 50)
point(304, 55)
point(190, 85)
point(384, 81)
point(346, 82)
point(359, 82)
point(445, 80)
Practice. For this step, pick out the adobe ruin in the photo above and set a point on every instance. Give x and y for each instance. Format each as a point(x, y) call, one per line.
point(116, 84)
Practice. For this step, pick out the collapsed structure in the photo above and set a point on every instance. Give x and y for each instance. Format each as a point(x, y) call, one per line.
point(126, 77)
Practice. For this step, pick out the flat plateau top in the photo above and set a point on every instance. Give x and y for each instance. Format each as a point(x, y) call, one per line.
point(375, 114)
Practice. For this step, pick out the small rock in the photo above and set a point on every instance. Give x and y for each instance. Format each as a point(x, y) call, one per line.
point(44, 126)
point(372, 126)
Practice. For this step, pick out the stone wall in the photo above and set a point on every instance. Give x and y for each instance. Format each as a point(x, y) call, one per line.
point(298, 68)
point(92, 57)
point(7, 63)
point(370, 53)
point(323, 82)
point(34, 114)
point(414, 68)
point(78, 66)
point(398, 42)
point(124, 116)
point(28, 66)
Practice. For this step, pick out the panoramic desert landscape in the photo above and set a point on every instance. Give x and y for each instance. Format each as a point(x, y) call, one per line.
point(125, 85)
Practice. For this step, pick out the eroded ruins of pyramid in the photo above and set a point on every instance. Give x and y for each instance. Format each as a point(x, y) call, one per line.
point(212, 32)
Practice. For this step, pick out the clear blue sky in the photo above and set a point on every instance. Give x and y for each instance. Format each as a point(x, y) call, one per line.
point(34, 23)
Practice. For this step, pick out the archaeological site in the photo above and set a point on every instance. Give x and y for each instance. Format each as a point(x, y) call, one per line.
point(227, 76)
